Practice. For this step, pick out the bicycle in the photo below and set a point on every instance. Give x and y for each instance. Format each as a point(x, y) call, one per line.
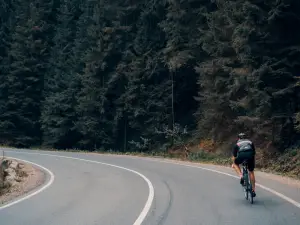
point(247, 183)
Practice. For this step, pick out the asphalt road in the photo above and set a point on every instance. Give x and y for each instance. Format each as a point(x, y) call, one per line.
point(85, 192)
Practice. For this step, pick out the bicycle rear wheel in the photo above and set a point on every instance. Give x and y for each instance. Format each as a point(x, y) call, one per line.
point(246, 187)
point(250, 191)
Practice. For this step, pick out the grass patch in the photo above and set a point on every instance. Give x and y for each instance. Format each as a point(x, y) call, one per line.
point(287, 163)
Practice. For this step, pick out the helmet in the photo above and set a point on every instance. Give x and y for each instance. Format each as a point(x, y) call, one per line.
point(241, 135)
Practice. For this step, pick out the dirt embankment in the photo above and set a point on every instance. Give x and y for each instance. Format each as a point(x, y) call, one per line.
point(18, 178)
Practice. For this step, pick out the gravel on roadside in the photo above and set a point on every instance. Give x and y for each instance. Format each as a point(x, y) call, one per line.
point(20, 178)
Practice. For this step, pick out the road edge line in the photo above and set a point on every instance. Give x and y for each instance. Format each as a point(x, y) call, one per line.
point(146, 209)
point(278, 194)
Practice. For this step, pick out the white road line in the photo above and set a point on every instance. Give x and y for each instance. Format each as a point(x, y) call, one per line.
point(148, 204)
point(292, 201)
point(278, 194)
point(33, 193)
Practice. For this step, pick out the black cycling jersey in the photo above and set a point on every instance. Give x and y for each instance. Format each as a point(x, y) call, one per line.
point(243, 145)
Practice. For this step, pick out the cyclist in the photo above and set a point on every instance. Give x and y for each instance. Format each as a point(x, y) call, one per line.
point(244, 150)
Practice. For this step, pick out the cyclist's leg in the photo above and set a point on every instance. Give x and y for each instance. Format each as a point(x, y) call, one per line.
point(236, 162)
point(251, 166)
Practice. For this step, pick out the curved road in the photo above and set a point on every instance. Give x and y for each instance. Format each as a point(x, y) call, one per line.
point(85, 192)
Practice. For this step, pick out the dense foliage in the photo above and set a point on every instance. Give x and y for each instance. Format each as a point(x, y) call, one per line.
point(139, 74)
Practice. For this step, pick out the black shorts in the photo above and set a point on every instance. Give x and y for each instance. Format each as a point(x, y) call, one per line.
point(246, 156)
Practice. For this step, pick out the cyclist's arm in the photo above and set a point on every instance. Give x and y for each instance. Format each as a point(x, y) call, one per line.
point(254, 150)
point(234, 152)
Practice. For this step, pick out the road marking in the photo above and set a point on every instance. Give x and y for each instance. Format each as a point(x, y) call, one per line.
point(278, 194)
point(34, 193)
point(148, 204)
point(295, 203)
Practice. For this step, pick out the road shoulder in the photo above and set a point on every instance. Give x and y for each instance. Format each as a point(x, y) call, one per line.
point(284, 185)
point(32, 178)
point(287, 186)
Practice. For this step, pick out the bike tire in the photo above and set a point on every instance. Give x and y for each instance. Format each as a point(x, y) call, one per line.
point(246, 187)
point(250, 191)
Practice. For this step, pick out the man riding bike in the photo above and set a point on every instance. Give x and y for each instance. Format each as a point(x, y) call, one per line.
point(244, 150)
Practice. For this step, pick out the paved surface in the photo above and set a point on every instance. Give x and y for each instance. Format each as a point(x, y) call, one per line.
point(85, 193)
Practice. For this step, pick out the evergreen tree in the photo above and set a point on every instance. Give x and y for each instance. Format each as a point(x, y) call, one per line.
point(62, 83)
point(136, 75)
point(6, 26)
point(27, 64)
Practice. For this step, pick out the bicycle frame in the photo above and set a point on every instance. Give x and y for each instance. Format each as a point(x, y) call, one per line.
point(247, 182)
